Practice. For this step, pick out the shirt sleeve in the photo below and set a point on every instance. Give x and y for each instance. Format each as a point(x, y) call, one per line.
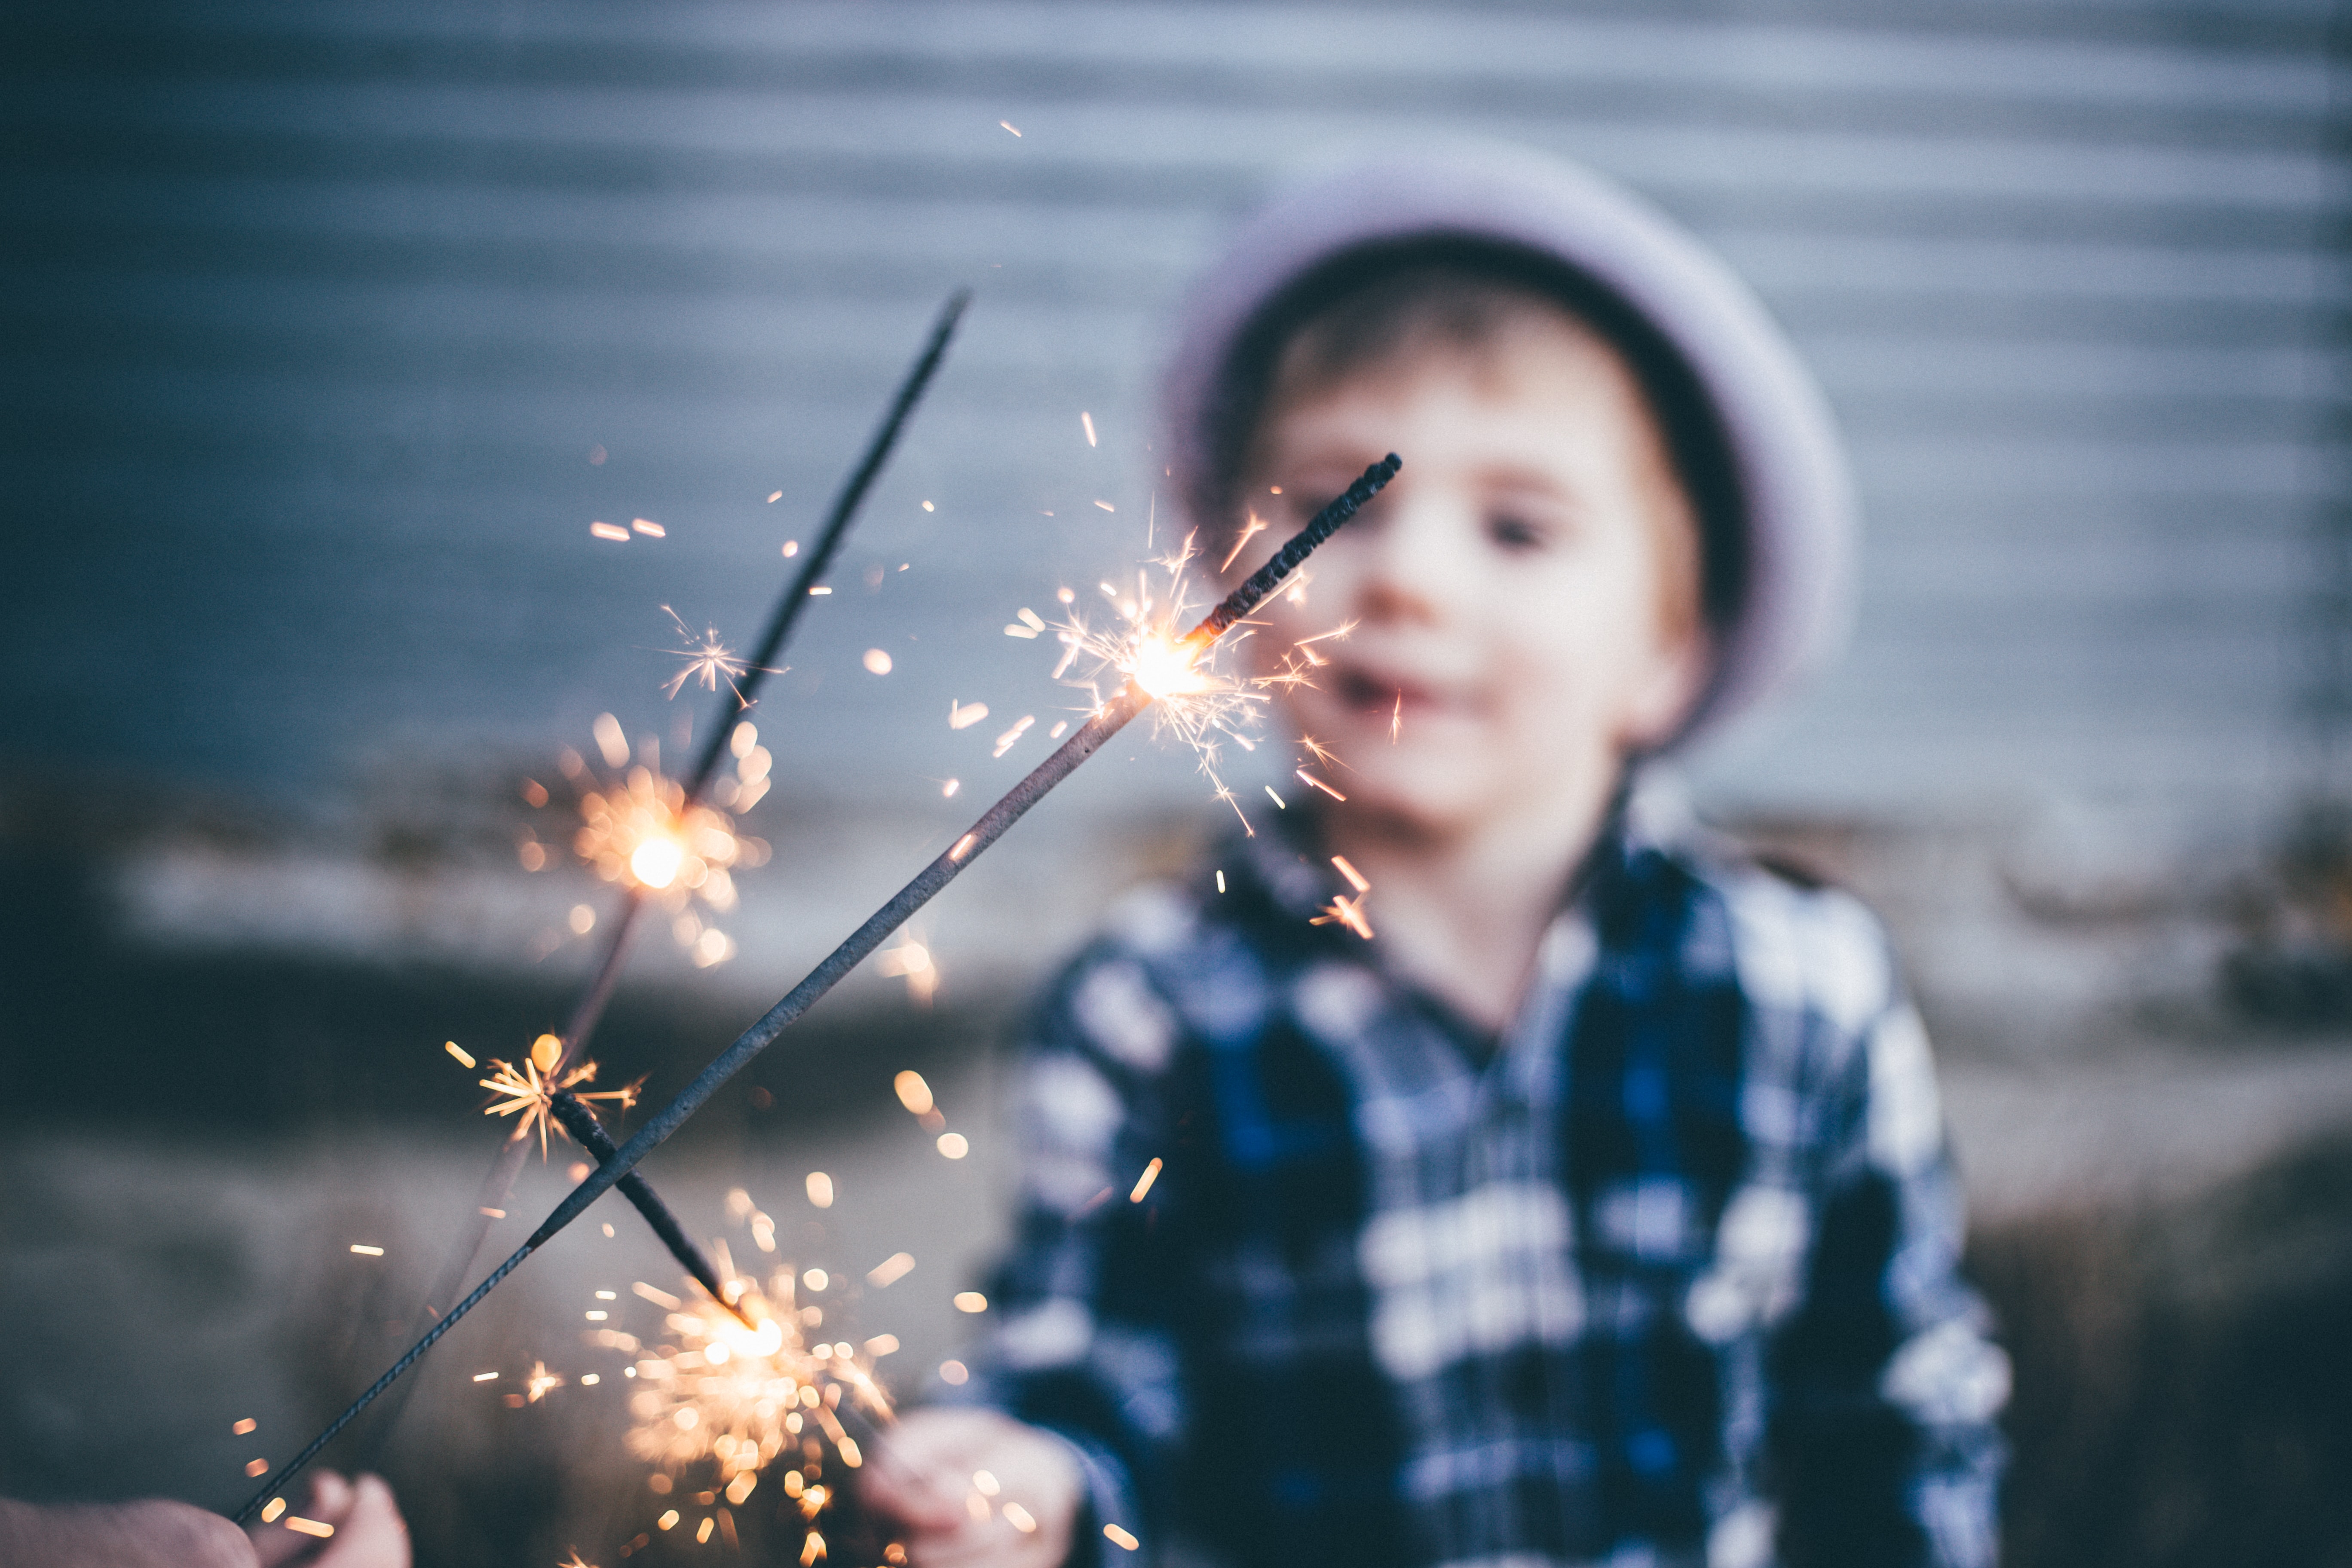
point(1886, 1383)
point(1084, 1346)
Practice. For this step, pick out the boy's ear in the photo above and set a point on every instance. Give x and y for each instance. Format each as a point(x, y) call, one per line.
point(1661, 693)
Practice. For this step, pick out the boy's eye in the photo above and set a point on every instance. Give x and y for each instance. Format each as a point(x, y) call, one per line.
point(1514, 532)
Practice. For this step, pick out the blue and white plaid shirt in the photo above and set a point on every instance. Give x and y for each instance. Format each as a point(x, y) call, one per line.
point(1667, 1274)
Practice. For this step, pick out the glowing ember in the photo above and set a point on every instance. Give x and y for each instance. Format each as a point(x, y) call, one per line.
point(912, 962)
point(1343, 909)
point(1347, 911)
point(1143, 1183)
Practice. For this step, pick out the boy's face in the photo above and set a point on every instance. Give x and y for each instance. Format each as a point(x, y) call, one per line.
point(1523, 593)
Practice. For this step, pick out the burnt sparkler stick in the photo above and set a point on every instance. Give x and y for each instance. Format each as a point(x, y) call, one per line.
point(590, 1134)
point(1108, 721)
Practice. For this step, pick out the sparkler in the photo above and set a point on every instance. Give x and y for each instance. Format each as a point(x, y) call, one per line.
point(1107, 719)
point(497, 1183)
point(1195, 702)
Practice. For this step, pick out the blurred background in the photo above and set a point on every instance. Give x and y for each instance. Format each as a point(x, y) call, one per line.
point(332, 329)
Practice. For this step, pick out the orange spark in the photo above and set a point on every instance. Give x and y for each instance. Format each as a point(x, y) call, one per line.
point(1256, 526)
point(1319, 783)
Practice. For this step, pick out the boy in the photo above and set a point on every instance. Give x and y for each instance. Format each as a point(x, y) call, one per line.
point(1595, 1209)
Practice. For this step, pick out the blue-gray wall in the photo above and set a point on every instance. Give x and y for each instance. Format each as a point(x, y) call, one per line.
point(314, 312)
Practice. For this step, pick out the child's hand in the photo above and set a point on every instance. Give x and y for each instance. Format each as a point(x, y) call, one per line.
point(368, 1529)
point(920, 1482)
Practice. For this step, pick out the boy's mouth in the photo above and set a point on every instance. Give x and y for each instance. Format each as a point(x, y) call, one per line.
point(1373, 692)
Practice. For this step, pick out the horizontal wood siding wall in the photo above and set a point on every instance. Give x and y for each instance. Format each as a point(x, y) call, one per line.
point(314, 312)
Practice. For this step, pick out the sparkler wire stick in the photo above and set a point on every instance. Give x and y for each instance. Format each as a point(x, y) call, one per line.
point(836, 528)
point(1108, 721)
point(498, 1182)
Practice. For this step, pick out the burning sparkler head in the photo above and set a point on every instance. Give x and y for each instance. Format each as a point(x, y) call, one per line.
point(710, 1388)
point(1164, 666)
point(1174, 668)
point(655, 861)
point(641, 833)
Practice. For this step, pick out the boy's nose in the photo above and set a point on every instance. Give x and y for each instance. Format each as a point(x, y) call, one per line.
point(1413, 560)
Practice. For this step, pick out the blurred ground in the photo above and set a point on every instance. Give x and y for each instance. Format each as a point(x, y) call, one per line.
point(201, 1119)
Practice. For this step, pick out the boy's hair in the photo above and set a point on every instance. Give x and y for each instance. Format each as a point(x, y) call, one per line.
point(1355, 311)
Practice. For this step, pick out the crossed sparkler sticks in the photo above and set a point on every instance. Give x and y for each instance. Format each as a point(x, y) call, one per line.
point(543, 1098)
point(618, 1167)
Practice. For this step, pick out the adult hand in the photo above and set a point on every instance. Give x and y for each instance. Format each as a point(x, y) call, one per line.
point(151, 1533)
point(154, 1534)
point(920, 1481)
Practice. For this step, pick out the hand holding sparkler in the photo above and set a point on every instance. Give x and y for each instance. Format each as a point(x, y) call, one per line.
point(975, 1486)
point(339, 1524)
point(1108, 719)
